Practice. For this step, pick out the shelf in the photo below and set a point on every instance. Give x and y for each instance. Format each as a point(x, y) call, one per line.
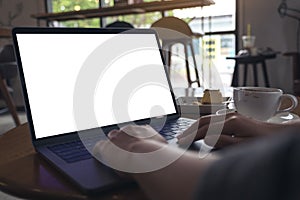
point(5, 32)
point(122, 10)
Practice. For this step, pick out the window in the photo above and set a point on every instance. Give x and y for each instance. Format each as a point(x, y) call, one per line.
point(143, 20)
point(137, 20)
point(57, 6)
point(217, 22)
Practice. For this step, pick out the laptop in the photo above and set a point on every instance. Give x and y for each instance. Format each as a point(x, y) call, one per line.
point(78, 83)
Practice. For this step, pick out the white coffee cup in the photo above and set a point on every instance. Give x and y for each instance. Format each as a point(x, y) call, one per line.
point(261, 103)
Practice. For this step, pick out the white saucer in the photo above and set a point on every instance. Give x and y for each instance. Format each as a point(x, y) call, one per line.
point(283, 117)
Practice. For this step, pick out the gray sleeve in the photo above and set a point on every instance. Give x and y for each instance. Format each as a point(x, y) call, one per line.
point(264, 169)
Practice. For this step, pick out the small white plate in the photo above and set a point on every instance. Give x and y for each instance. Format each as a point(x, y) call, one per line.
point(283, 117)
point(192, 105)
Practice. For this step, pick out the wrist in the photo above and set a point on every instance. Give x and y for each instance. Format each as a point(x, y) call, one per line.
point(145, 146)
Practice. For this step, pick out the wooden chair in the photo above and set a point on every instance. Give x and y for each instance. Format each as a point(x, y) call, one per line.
point(172, 30)
point(8, 70)
point(119, 24)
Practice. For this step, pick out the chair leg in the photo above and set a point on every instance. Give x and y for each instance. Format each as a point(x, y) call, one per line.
point(255, 75)
point(169, 53)
point(167, 56)
point(195, 65)
point(264, 68)
point(8, 99)
point(245, 74)
point(188, 74)
point(235, 77)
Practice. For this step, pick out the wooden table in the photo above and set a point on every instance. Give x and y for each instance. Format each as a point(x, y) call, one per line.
point(251, 60)
point(23, 173)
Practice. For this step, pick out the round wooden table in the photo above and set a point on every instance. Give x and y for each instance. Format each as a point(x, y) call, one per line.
point(23, 173)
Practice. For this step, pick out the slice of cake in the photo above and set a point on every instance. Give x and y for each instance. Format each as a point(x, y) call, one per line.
point(212, 97)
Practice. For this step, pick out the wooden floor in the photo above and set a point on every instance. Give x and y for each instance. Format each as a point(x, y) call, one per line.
point(7, 123)
point(4, 196)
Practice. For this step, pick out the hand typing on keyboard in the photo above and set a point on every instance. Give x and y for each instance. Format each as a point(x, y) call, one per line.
point(235, 128)
point(129, 150)
point(163, 181)
point(129, 139)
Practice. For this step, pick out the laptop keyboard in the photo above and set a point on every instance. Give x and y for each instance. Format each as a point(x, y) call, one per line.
point(173, 129)
point(71, 152)
point(76, 151)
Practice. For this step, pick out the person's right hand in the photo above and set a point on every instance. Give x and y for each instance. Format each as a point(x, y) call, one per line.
point(230, 129)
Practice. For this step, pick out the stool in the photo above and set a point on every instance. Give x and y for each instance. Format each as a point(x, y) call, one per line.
point(172, 30)
point(254, 61)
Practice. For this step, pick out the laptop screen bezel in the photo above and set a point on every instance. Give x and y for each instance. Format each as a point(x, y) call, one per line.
point(40, 30)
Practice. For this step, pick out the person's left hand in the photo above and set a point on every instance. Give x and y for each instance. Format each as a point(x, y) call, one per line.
point(128, 136)
point(124, 148)
point(122, 144)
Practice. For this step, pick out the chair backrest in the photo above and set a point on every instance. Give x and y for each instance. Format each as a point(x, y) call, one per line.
point(120, 24)
point(7, 54)
point(173, 28)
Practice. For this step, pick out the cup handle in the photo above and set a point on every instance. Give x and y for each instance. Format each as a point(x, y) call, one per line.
point(294, 101)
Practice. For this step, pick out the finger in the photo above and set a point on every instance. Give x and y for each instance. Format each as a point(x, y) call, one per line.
point(240, 126)
point(99, 147)
point(187, 140)
point(192, 129)
point(193, 134)
point(215, 118)
point(216, 128)
point(204, 122)
point(222, 140)
point(226, 126)
point(141, 132)
point(195, 126)
point(233, 124)
point(113, 134)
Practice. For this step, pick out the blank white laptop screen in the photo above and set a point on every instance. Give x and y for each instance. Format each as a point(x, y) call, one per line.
point(51, 66)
